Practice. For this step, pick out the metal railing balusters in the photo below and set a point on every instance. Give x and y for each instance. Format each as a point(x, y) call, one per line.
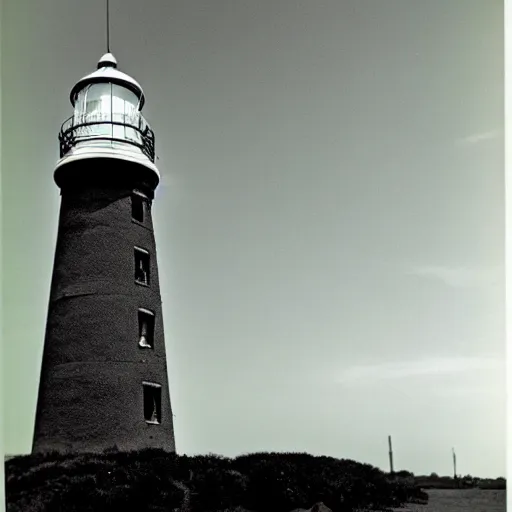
point(69, 134)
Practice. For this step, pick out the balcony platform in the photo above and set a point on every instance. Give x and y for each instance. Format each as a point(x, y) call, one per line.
point(95, 136)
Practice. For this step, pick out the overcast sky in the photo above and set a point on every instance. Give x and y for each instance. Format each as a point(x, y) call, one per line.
point(330, 223)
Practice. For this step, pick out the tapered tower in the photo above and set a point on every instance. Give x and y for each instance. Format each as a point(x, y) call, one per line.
point(104, 375)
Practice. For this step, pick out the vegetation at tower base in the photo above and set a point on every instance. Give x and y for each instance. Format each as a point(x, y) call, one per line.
point(154, 480)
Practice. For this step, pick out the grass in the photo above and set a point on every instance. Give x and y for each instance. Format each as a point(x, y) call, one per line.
point(462, 500)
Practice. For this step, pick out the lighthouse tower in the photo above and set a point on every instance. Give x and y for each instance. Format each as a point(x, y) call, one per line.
point(103, 379)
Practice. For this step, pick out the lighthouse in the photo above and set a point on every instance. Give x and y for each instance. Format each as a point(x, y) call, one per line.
point(103, 382)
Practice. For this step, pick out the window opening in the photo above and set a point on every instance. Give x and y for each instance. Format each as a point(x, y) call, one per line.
point(146, 328)
point(141, 266)
point(152, 402)
point(138, 208)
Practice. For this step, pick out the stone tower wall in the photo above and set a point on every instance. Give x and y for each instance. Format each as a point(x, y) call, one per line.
point(93, 369)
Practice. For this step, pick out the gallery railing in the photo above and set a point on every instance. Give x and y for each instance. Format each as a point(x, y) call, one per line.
point(127, 128)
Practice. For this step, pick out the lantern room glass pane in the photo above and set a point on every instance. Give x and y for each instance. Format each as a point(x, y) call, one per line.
point(97, 109)
point(125, 108)
point(107, 103)
point(80, 105)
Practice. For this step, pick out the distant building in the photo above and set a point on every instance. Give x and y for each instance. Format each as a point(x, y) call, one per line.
point(104, 376)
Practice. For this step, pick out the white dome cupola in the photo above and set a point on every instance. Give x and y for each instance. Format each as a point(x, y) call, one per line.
point(107, 73)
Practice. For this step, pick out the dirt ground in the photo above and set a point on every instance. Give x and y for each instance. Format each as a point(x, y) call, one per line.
point(468, 500)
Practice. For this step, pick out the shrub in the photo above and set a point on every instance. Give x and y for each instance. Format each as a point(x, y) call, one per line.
point(153, 480)
point(217, 489)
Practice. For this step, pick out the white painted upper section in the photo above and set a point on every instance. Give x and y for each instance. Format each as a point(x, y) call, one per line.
point(101, 99)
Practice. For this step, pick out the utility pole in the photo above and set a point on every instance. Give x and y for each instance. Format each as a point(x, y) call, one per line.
point(454, 464)
point(390, 456)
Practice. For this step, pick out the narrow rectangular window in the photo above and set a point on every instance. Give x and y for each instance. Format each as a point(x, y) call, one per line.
point(141, 266)
point(137, 208)
point(146, 328)
point(152, 402)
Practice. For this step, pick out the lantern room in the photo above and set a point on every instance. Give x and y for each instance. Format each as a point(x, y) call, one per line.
point(107, 120)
